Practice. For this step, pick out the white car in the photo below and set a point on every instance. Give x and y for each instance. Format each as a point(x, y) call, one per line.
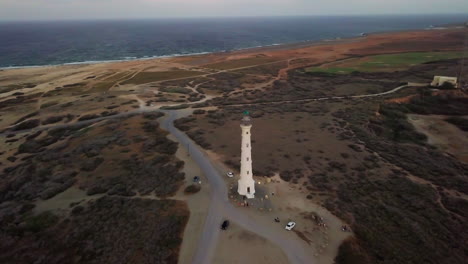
point(230, 174)
point(290, 226)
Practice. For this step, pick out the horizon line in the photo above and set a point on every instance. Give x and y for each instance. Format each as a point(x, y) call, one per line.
point(229, 17)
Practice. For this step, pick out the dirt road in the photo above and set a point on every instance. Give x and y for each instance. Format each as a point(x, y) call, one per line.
point(221, 208)
point(145, 109)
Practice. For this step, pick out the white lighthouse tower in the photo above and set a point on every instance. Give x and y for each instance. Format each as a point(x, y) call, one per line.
point(246, 184)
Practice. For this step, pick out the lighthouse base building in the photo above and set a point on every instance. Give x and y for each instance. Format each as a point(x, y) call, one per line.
point(246, 188)
point(246, 183)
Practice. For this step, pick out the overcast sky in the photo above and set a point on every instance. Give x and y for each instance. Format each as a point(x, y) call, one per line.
point(112, 9)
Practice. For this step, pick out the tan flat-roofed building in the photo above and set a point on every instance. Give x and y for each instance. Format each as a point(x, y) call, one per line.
point(440, 80)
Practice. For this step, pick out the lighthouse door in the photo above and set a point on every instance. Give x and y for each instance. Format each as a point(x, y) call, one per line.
point(248, 189)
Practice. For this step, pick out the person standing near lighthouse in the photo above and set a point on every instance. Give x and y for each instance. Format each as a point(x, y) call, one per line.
point(246, 184)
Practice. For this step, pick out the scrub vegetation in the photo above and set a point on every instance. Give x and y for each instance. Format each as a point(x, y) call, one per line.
point(148, 77)
point(110, 163)
point(97, 232)
point(81, 155)
point(361, 159)
point(388, 62)
point(234, 64)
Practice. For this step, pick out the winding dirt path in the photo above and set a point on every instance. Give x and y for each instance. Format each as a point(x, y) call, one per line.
point(146, 109)
point(324, 98)
point(221, 207)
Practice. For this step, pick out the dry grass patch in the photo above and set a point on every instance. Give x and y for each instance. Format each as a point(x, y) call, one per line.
point(234, 64)
point(148, 77)
point(387, 62)
point(116, 76)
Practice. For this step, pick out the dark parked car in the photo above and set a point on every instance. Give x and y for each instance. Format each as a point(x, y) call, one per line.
point(225, 225)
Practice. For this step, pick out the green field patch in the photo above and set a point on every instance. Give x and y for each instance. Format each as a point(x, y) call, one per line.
point(388, 62)
point(334, 70)
point(148, 77)
point(234, 64)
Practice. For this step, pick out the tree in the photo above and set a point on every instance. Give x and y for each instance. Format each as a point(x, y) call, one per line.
point(447, 86)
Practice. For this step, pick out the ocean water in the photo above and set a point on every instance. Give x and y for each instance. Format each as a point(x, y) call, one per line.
point(51, 43)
